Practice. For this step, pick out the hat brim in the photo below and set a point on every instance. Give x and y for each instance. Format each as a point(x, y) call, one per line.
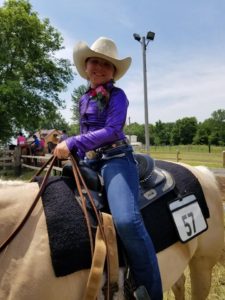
point(81, 52)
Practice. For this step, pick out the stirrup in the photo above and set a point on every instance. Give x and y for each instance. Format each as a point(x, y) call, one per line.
point(141, 293)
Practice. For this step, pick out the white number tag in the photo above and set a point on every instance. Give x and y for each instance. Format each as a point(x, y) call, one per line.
point(188, 217)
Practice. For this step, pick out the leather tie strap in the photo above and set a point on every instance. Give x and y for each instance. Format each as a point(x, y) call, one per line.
point(97, 268)
point(98, 260)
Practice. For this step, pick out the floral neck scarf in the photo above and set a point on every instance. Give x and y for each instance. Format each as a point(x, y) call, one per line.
point(101, 94)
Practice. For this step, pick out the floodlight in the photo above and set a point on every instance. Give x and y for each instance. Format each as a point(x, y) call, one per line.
point(150, 35)
point(137, 37)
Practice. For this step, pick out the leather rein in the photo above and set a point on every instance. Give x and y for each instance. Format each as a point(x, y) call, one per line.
point(27, 215)
point(80, 183)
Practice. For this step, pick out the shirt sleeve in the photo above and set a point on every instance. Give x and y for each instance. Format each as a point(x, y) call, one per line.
point(115, 120)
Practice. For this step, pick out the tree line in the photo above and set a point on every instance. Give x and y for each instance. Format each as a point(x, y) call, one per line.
point(184, 131)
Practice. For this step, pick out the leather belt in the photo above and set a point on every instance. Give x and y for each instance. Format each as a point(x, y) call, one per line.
point(95, 153)
point(112, 146)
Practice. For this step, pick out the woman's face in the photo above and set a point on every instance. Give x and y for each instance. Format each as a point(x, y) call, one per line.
point(99, 71)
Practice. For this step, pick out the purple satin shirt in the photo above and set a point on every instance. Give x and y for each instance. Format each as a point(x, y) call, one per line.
point(100, 127)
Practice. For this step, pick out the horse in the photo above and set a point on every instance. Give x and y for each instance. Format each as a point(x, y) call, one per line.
point(26, 271)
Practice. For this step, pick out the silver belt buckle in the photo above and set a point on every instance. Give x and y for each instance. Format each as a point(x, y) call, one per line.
point(91, 154)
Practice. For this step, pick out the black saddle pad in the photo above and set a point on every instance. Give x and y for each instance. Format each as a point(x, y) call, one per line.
point(156, 217)
point(68, 236)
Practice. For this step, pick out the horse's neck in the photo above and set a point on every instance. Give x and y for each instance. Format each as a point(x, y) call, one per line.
point(15, 200)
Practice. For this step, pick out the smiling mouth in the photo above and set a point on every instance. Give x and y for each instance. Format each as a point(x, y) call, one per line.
point(98, 75)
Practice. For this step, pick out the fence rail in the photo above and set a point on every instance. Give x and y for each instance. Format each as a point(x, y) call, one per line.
point(35, 165)
point(14, 159)
point(215, 160)
point(9, 158)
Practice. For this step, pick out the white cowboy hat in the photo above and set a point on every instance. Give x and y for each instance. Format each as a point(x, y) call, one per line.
point(103, 48)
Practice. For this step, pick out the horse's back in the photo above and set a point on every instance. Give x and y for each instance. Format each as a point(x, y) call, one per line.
point(15, 199)
point(26, 270)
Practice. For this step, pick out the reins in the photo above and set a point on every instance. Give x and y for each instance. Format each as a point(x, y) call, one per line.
point(110, 285)
point(27, 215)
point(79, 179)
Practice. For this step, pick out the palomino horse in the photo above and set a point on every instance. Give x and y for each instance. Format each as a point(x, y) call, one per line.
point(26, 271)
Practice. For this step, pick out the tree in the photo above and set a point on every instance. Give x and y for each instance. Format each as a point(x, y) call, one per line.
point(54, 120)
point(212, 130)
point(31, 77)
point(162, 133)
point(76, 95)
point(74, 129)
point(184, 131)
point(218, 118)
point(136, 129)
point(202, 136)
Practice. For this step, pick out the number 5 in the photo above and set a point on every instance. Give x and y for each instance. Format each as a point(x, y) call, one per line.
point(187, 225)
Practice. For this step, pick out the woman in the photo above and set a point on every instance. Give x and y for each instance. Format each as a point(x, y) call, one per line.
point(21, 140)
point(102, 142)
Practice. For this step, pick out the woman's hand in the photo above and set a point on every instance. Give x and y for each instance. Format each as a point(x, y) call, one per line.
point(61, 150)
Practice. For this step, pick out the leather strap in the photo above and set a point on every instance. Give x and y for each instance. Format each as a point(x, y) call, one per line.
point(110, 234)
point(97, 267)
point(79, 180)
point(98, 261)
point(111, 269)
point(27, 215)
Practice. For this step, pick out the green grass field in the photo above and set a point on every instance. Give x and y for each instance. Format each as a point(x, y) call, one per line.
point(194, 155)
point(191, 154)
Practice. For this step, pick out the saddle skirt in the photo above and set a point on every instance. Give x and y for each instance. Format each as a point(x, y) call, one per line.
point(68, 235)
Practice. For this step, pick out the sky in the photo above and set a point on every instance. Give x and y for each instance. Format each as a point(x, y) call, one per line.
point(185, 61)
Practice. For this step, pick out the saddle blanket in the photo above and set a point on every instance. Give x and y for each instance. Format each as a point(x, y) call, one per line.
point(68, 235)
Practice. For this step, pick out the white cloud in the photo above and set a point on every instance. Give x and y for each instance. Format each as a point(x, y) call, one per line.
point(183, 89)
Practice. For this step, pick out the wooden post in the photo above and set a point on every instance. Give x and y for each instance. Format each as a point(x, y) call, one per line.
point(17, 160)
point(223, 153)
point(178, 153)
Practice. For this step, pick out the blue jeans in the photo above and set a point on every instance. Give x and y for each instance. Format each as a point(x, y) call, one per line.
point(120, 175)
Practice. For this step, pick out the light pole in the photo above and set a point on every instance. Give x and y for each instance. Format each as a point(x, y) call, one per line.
point(144, 43)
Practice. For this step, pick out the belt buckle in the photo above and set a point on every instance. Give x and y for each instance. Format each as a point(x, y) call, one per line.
point(91, 154)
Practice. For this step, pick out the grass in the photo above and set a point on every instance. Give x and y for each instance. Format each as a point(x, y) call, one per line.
point(217, 291)
point(194, 155)
point(188, 148)
point(26, 174)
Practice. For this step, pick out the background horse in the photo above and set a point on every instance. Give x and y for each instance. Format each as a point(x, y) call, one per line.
point(26, 271)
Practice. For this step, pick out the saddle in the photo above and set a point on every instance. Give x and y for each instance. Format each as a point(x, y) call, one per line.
point(161, 183)
point(154, 182)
